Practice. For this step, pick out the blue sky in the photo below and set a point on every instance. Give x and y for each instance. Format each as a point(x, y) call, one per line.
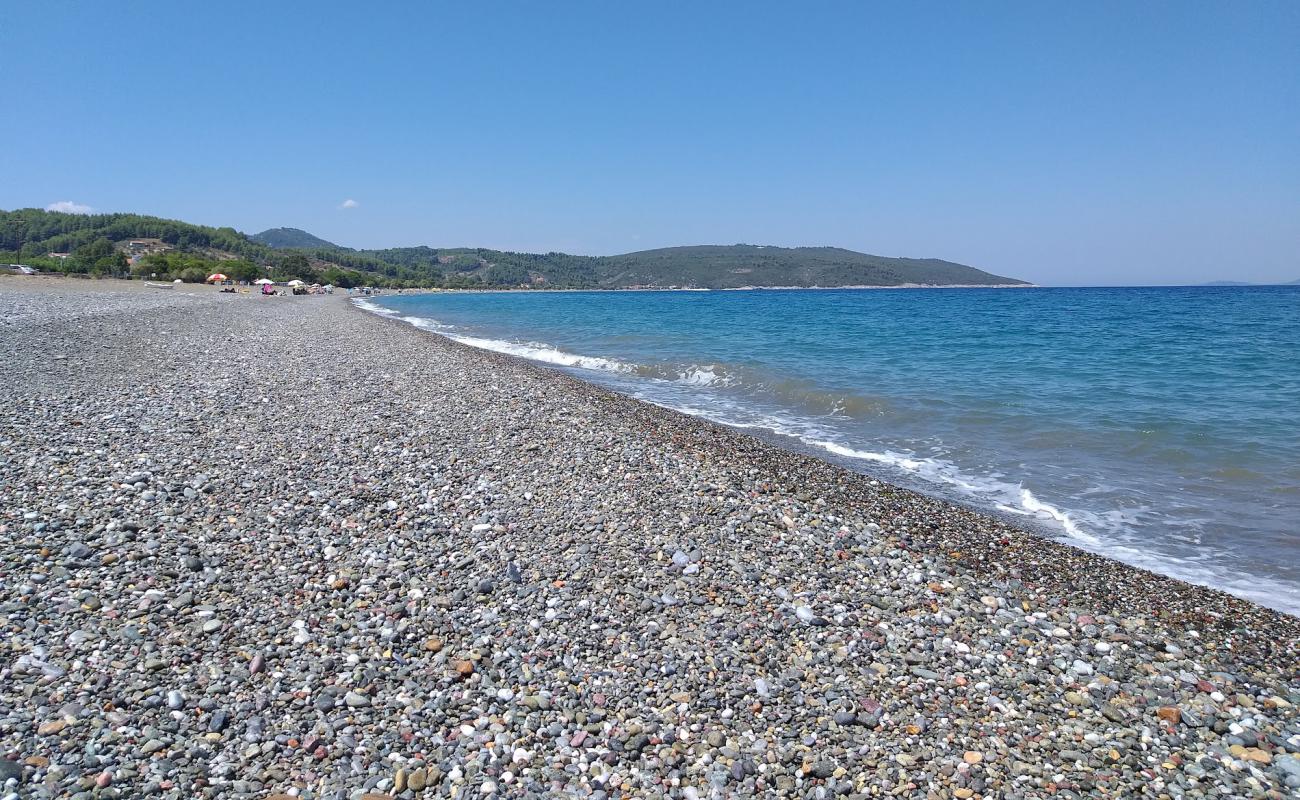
point(1089, 143)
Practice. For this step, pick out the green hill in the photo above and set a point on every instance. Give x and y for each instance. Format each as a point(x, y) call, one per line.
point(722, 267)
point(281, 238)
point(121, 244)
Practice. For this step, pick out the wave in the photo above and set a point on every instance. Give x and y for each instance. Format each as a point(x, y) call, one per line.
point(545, 353)
point(1007, 497)
point(1204, 567)
point(374, 308)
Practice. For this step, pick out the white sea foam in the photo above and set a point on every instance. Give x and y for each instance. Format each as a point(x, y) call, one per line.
point(1106, 533)
point(537, 351)
point(373, 308)
point(704, 376)
point(425, 323)
point(544, 353)
point(1005, 496)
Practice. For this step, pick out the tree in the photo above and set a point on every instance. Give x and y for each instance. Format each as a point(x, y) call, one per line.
point(296, 265)
point(240, 270)
point(92, 256)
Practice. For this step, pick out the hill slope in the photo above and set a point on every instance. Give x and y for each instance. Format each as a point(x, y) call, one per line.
point(101, 243)
point(722, 267)
point(281, 238)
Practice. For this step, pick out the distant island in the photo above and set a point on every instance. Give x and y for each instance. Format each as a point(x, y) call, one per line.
point(144, 246)
point(1295, 282)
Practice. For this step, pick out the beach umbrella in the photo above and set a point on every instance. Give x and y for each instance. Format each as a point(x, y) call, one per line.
point(263, 281)
point(217, 276)
point(295, 282)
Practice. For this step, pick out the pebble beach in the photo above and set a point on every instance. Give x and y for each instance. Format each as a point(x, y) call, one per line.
point(282, 547)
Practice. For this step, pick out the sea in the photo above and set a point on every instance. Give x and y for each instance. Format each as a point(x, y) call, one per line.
point(1157, 426)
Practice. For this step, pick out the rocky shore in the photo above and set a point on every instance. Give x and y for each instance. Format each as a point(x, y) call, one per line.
point(265, 547)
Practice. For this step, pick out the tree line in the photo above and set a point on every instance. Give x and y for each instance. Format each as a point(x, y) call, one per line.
point(95, 244)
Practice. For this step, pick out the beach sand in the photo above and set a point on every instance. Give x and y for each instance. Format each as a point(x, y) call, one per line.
point(254, 546)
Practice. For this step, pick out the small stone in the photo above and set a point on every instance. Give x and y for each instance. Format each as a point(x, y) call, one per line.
point(52, 727)
point(637, 743)
point(972, 757)
point(463, 668)
point(257, 664)
point(822, 769)
point(433, 644)
point(9, 770)
point(175, 700)
point(417, 780)
point(1171, 714)
point(356, 700)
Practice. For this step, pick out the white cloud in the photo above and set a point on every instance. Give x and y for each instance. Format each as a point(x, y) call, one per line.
point(349, 203)
point(69, 207)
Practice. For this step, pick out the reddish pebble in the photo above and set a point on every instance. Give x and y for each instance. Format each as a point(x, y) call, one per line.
point(598, 699)
point(320, 753)
point(578, 739)
point(1205, 686)
point(104, 779)
point(1084, 619)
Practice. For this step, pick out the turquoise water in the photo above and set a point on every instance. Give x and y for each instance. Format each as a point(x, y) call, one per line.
point(1160, 426)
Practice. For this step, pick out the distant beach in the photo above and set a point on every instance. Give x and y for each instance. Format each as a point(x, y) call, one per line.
point(258, 547)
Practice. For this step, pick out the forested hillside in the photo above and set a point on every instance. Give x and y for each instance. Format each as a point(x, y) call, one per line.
point(144, 246)
point(281, 238)
point(722, 267)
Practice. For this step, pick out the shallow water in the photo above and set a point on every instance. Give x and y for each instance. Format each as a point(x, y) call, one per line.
point(1160, 426)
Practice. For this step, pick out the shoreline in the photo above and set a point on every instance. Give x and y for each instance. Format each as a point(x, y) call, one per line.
point(254, 547)
point(1251, 586)
point(1090, 574)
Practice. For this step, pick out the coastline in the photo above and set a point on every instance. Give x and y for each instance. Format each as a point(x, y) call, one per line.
point(1064, 568)
point(549, 587)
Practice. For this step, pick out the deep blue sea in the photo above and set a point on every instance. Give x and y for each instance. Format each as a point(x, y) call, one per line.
point(1159, 426)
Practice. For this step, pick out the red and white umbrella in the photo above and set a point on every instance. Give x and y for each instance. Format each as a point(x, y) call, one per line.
point(217, 276)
